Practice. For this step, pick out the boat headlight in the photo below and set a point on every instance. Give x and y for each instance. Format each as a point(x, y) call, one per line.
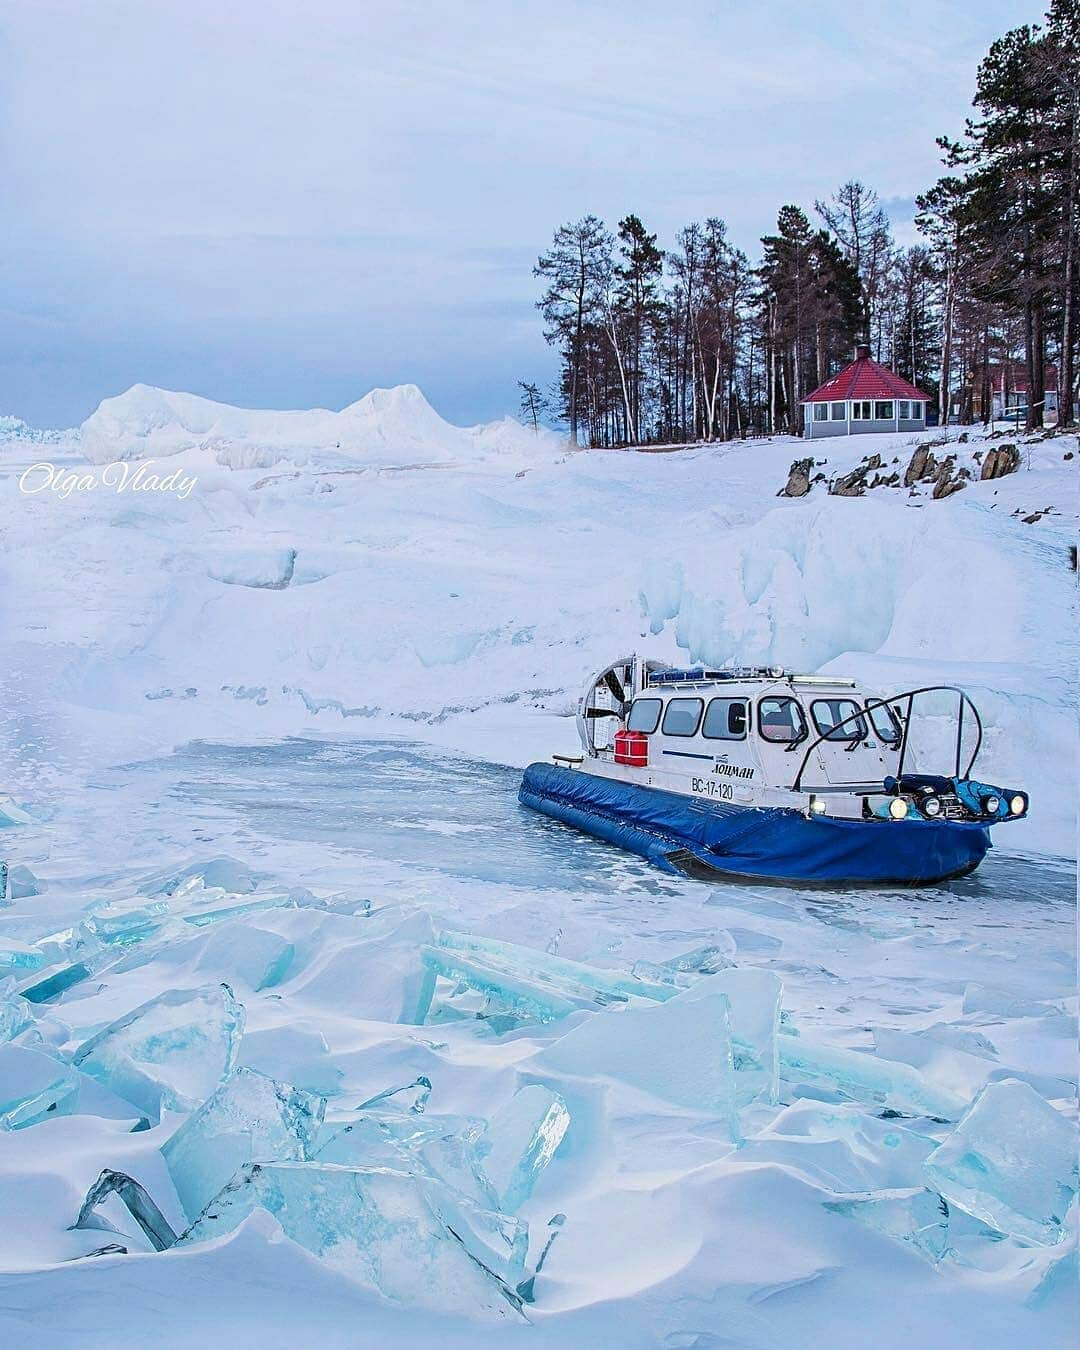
point(898, 808)
point(817, 805)
point(930, 806)
point(1018, 804)
point(991, 804)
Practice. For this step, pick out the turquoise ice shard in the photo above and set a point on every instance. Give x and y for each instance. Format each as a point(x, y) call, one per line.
point(1011, 1162)
point(19, 957)
point(125, 921)
point(864, 1077)
point(912, 1215)
point(249, 1118)
point(33, 1085)
point(605, 986)
point(437, 1146)
point(171, 1052)
point(525, 983)
point(680, 1051)
point(407, 1238)
point(519, 1142)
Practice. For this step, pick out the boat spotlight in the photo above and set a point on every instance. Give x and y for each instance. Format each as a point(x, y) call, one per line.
point(898, 808)
point(991, 805)
point(1018, 804)
point(817, 805)
point(931, 806)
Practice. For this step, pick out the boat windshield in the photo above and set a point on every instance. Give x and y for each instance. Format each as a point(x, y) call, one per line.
point(838, 719)
point(781, 719)
point(884, 722)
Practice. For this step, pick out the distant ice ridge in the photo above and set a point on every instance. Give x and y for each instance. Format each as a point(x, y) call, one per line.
point(387, 427)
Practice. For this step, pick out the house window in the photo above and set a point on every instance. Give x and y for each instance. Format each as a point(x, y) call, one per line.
point(917, 412)
point(860, 412)
point(821, 412)
point(883, 411)
point(905, 410)
point(839, 412)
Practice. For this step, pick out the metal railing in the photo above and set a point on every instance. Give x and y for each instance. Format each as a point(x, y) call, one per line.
point(910, 695)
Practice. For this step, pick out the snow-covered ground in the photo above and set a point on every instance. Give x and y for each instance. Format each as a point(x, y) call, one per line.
point(317, 658)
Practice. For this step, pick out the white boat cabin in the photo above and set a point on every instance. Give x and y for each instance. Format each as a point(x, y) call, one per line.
point(741, 736)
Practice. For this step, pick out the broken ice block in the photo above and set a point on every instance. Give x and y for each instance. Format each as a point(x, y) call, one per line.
point(33, 1085)
point(913, 1215)
point(137, 1202)
point(405, 1237)
point(1011, 1162)
point(437, 1146)
point(416, 1104)
point(172, 1051)
point(19, 957)
point(55, 984)
point(226, 873)
point(557, 971)
point(755, 997)
point(10, 814)
point(519, 1142)
point(14, 1013)
point(865, 1077)
point(680, 1050)
point(125, 921)
point(707, 960)
point(504, 990)
point(22, 883)
point(250, 1118)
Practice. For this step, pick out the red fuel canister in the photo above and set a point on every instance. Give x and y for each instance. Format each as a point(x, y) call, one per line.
point(632, 747)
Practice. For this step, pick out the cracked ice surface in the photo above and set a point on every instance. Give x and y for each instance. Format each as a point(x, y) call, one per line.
point(730, 1095)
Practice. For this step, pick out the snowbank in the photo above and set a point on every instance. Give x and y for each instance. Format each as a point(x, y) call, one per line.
point(387, 426)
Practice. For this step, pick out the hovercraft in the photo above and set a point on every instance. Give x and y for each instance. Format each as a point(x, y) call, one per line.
point(757, 774)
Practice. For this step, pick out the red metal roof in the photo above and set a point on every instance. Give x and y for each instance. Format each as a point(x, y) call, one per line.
point(864, 378)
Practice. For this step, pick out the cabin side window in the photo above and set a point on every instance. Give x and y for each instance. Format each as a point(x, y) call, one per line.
point(681, 717)
point(725, 720)
point(838, 719)
point(644, 715)
point(885, 723)
point(781, 719)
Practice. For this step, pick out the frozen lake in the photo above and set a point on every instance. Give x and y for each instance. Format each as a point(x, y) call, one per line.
point(403, 822)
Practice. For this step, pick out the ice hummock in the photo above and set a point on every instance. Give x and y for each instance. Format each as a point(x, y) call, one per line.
point(1011, 1162)
point(249, 1118)
point(171, 1051)
point(407, 1238)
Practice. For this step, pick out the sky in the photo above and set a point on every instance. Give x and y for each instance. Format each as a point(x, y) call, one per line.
point(290, 202)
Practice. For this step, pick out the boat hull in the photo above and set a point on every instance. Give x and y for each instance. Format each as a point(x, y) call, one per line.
point(708, 839)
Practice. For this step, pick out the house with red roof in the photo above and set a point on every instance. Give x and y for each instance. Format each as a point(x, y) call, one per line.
point(863, 397)
point(1009, 391)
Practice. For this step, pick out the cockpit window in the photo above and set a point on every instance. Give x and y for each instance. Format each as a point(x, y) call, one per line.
point(725, 720)
point(781, 719)
point(838, 719)
point(681, 717)
point(886, 724)
point(644, 715)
